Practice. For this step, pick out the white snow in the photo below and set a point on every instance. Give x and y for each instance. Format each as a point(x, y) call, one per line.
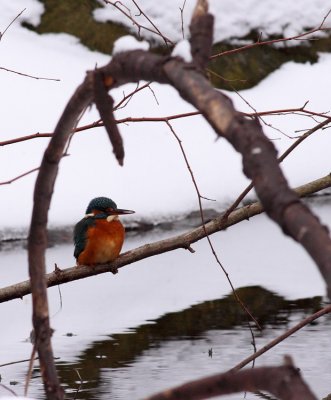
point(31, 12)
point(233, 18)
point(154, 180)
point(16, 398)
point(129, 43)
point(183, 50)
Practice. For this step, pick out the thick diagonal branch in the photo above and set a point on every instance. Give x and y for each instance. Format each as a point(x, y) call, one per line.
point(246, 135)
point(284, 382)
point(182, 241)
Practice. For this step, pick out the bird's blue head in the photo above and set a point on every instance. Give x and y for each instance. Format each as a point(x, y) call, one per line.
point(105, 205)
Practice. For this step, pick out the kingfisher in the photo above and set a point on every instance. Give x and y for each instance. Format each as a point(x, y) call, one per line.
point(99, 236)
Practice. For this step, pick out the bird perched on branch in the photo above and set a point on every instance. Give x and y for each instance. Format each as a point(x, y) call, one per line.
point(99, 236)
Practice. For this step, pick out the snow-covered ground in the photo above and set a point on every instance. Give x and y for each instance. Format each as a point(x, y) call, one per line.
point(154, 180)
point(233, 19)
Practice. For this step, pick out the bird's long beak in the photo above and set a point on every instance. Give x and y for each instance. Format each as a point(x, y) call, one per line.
point(120, 211)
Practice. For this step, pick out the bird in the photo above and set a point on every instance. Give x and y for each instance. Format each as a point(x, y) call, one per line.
point(99, 236)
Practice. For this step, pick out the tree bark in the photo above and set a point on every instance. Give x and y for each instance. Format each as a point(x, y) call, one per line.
point(183, 241)
point(283, 382)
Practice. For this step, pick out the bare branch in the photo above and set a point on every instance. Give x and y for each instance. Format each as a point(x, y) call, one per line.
point(24, 138)
point(182, 18)
point(30, 76)
point(284, 382)
point(236, 296)
point(182, 241)
point(117, 4)
point(285, 335)
point(99, 123)
point(19, 176)
point(13, 20)
point(128, 97)
point(166, 41)
point(324, 19)
point(301, 36)
point(242, 195)
point(30, 369)
point(9, 390)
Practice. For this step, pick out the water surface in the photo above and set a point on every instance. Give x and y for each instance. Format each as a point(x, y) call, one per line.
point(172, 318)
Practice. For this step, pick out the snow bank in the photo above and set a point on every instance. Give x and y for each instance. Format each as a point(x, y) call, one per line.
point(154, 180)
point(233, 18)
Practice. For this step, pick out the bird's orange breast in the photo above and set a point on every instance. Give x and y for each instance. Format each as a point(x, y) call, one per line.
point(104, 243)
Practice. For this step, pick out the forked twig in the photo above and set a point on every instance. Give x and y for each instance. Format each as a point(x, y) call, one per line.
point(166, 40)
point(203, 221)
point(137, 24)
point(285, 335)
point(182, 18)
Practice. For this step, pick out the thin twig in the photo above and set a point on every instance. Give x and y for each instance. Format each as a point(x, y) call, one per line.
point(128, 97)
point(99, 123)
point(244, 193)
point(284, 382)
point(30, 76)
point(203, 221)
point(13, 20)
point(255, 112)
point(151, 22)
point(80, 383)
point(30, 369)
point(26, 173)
point(182, 18)
point(16, 362)
point(19, 176)
point(9, 390)
point(301, 36)
point(285, 335)
point(137, 24)
point(304, 137)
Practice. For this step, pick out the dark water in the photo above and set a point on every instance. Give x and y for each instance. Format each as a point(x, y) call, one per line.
point(206, 338)
point(194, 340)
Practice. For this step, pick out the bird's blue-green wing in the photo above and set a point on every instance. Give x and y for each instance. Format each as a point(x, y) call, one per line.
point(80, 235)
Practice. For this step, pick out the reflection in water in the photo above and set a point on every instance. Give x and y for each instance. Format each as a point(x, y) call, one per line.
point(121, 351)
